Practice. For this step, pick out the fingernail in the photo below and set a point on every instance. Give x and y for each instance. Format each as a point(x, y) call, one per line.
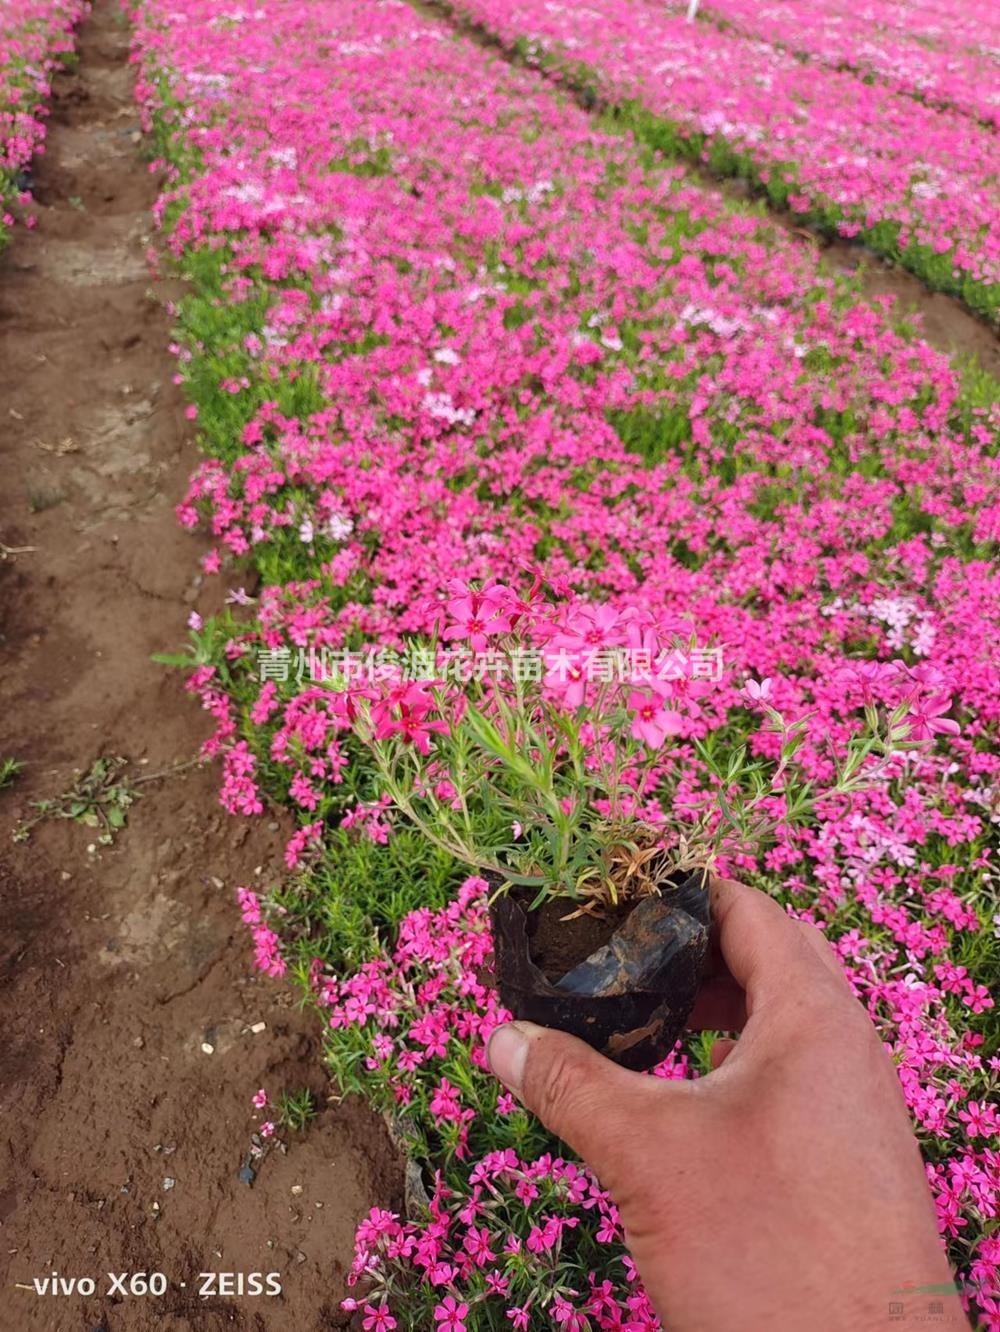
point(507, 1053)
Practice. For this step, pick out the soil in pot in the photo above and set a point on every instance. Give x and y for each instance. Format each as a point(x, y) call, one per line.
point(559, 940)
point(625, 981)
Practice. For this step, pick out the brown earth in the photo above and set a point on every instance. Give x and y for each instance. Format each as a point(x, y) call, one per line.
point(558, 942)
point(119, 964)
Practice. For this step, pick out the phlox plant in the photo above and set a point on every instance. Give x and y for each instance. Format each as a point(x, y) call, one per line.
point(35, 36)
point(834, 149)
point(560, 735)
point(939, 56)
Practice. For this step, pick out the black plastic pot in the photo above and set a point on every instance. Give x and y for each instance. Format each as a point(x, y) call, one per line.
point(631, 998)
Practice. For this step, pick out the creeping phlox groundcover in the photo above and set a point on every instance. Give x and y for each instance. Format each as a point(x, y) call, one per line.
point(450, 343)
point(34, 36)
point(945, 55)
point(917, 182)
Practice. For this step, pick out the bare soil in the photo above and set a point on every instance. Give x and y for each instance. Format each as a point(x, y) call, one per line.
point(119, 964)
point(560, 940)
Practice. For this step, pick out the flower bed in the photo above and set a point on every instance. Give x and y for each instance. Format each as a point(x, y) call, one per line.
point(951, 63)
point(34, 36)
point(916, 183)
point(442, 328)
point(947, 25)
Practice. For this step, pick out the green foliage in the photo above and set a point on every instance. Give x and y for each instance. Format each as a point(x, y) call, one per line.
point(364, 161)
point(295, 1110)
point(653, 435)
point(345, 906)
point(99, 798)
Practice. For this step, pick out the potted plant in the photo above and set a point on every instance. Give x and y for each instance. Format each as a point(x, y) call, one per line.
point(545, 747)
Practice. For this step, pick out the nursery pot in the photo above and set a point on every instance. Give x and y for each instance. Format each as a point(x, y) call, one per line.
point(630, 997)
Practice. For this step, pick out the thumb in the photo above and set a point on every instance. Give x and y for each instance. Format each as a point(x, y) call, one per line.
point(592, 1104)
point(720, 1052)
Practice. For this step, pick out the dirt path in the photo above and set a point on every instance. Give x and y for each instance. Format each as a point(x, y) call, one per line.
point(119, 964)
point(945, 322)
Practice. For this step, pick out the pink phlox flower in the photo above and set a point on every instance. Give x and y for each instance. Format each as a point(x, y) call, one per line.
point(450, 1315)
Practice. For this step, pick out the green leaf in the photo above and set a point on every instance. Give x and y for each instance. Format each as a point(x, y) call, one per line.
point(181, 659)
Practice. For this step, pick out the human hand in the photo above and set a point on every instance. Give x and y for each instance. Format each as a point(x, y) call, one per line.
point(784, 1190)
